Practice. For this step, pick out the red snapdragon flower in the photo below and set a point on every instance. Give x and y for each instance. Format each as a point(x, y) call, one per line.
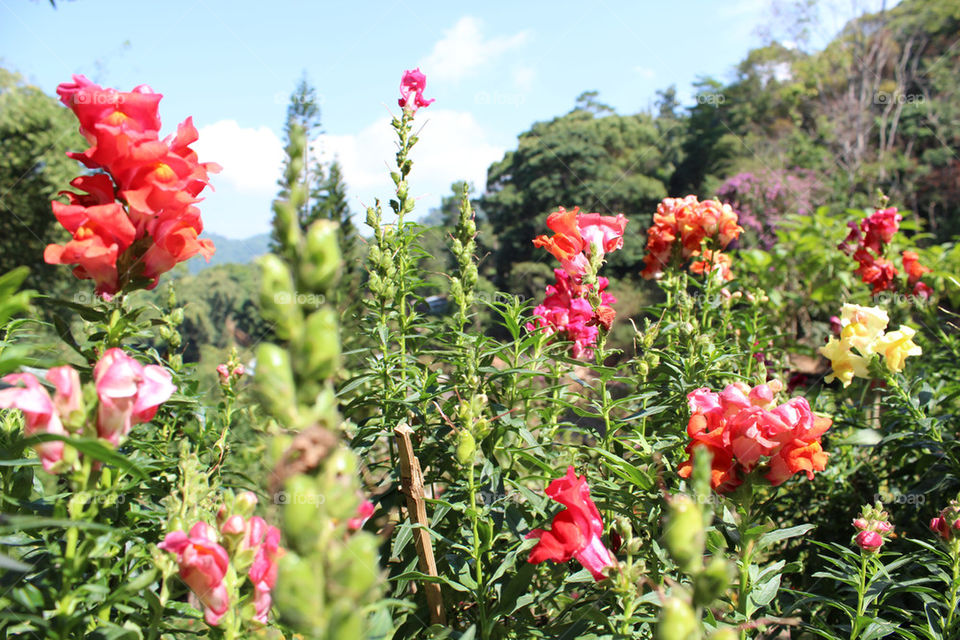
point(411, 90)
point(364, 512)
point(136, 219)
point(867, 244)
point(575, 532)
point(947, 523)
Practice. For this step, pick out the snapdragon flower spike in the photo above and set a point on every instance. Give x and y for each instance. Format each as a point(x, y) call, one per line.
point(873, 527)
point(744, 429)
point(566, 311)
point(137, 219)
point(680, 228)
point(575, 532)
point(861, 337)
point(203, 566)
point(411, 91)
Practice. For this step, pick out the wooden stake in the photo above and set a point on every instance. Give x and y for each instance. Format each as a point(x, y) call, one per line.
point(411, 480)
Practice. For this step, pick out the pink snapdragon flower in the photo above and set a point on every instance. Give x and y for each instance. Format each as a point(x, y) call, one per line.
point(264, 539)
point(39, 412)
point(203, 565)
point(567, 311)
point(69, 394)
point(364, 511)
point(411, 91)
point(129, 393)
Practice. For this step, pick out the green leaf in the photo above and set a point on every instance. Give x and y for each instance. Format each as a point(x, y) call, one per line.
point(773, 537)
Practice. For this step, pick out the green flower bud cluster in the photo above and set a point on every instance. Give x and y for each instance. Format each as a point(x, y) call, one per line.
point(463, 247)
point(684, 534)
point(328, 574)
point(293, 298)
point(380, 260)
point(474, 426)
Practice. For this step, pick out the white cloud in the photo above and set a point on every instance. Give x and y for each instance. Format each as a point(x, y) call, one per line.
point(645, 72)
point(463, 50)
point(452, 146)
point(251, 158)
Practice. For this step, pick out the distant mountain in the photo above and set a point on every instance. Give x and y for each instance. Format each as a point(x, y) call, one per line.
point(231, 251)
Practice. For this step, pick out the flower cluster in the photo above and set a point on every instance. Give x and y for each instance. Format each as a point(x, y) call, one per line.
point(575, 532)
point(873, 527)
point(574, 308)
point(862, 335)
point(681, 228)
point(128, 393)
point(135, 218)
point(866, 244)
point(412, 86)
point(578, 237)
point(745, 429)
point(567, 312)
point(251, 545)
point(947, 523)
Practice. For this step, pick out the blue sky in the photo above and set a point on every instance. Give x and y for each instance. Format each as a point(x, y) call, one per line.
point(494, 69)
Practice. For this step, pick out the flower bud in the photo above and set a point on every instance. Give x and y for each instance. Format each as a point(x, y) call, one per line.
point(245, 503)
point(321, 262)
point(677, 621)
point(684, 533)
point(466, 447)
point(275, 382)
point(277, 297)
point(232, 526)
point(869, 541)
point(322, 349)
point(710, 583)
point(300, 501)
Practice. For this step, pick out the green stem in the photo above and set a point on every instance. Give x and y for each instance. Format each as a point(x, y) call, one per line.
point(861, 590)
point(746, 553)
point(952, 602)
point(477, 555)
